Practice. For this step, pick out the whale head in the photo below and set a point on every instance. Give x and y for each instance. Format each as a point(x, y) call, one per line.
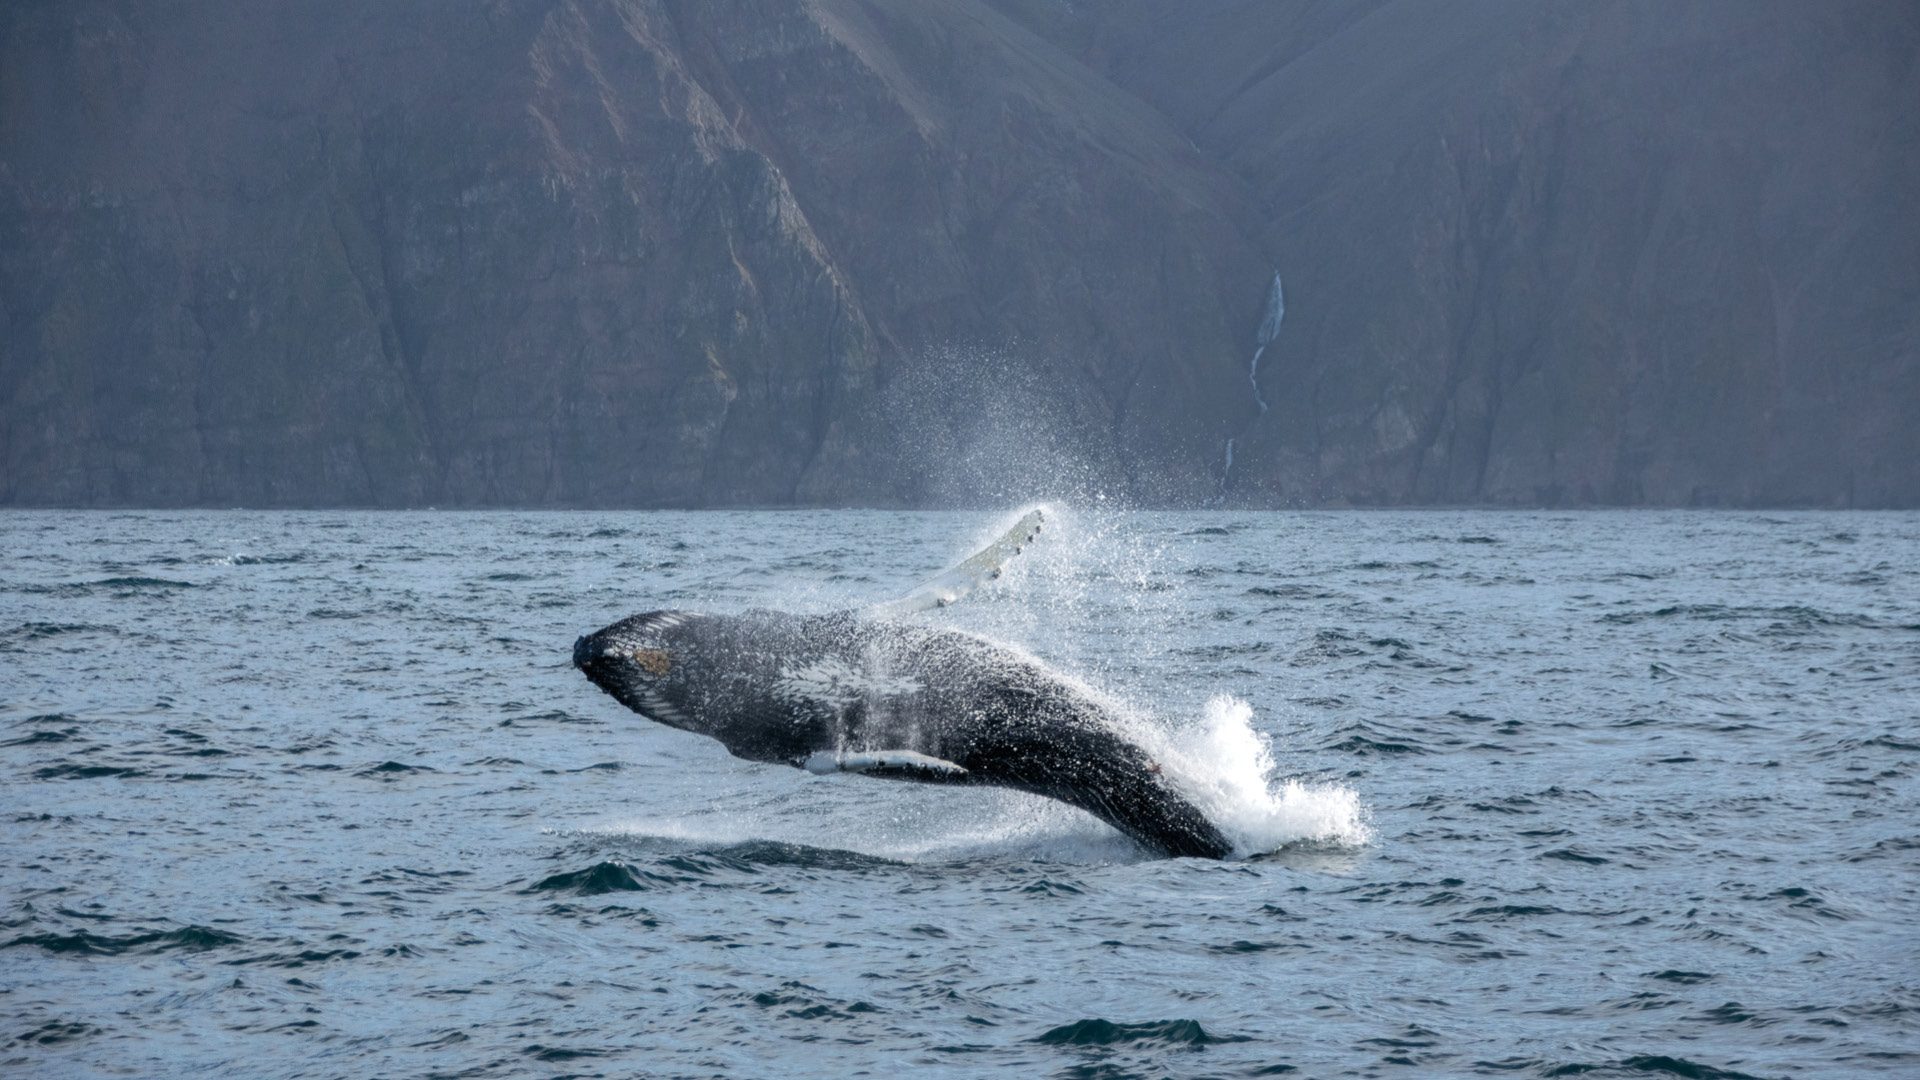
point(639, 660)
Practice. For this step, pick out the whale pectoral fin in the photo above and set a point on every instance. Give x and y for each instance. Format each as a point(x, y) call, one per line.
point(985, 565)
point(890, 764)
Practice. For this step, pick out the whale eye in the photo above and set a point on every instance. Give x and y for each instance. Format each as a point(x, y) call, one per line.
point(654, 661)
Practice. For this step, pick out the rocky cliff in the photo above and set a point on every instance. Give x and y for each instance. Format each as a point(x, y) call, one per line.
point(650, 252)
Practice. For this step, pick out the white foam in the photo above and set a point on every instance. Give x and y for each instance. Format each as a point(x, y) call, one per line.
point(1100, 570)
point(1228, 766)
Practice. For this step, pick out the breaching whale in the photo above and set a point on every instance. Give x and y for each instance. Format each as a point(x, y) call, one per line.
point(872, 692)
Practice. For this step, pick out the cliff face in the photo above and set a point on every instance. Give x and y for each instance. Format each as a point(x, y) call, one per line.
point(658, 253)
point(1699, 300)
point(1564, 251)
point(593, 253)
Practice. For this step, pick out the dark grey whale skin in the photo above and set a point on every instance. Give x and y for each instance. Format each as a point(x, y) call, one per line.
point(1002, 717)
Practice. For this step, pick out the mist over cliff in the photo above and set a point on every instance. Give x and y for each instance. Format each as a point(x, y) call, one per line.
point(662, 253)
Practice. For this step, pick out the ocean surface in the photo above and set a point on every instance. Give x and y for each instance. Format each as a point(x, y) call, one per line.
point(1604, 794)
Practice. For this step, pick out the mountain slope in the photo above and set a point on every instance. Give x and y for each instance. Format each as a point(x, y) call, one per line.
point(1565, 252)
point(657, 252)
point(584, 253)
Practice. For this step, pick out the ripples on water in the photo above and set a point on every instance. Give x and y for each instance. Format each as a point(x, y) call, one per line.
point(1611, 794)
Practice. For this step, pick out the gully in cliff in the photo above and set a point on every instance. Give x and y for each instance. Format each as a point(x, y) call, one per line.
point(874, 692)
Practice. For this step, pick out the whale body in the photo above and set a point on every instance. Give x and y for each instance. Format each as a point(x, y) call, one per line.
point(856, 692)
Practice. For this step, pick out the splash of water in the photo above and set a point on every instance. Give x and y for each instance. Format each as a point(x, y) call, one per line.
point(1092, 571)
point(981, 425)
point(1100, 574)
point(1229, 766)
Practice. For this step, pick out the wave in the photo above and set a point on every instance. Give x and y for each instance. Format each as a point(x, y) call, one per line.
point(143, 583)
point(191, 938)
point(676, 866)
point(39, 631)
point(1784, 617)
point(86, 772)
point(596, 880)
point(241, 558)
point(1097, 1032)
point(122, 586)
point(1639, 1065)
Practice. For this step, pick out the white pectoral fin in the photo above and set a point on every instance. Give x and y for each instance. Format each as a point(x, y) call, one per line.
point(984, 565)
point(898, 764)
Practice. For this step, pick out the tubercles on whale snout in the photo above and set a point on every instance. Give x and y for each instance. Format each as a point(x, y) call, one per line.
point(628, 652)
point(638, 661)
point(584, 650)
point(602, 657)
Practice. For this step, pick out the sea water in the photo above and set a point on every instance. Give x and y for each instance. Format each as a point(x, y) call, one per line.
point(1515, 794)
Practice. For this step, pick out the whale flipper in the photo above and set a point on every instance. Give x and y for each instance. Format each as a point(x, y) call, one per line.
point(893, 764)
point(984, 565)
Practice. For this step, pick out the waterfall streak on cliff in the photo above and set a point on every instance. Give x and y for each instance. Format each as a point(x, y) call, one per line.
point(1269, 329)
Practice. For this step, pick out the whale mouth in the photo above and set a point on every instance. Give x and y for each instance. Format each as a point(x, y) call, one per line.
point(599, 661)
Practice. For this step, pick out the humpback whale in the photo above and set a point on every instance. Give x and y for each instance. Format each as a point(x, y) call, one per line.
point(872, 692)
